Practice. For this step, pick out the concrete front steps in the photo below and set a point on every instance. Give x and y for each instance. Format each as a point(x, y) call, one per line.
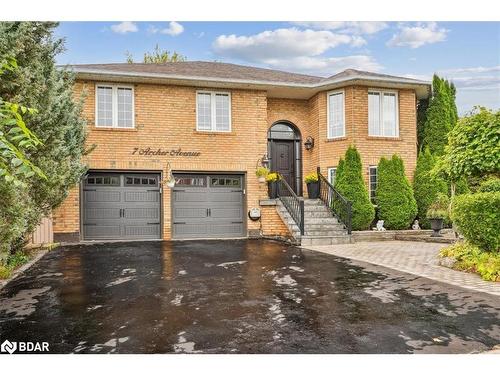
point(320, 226)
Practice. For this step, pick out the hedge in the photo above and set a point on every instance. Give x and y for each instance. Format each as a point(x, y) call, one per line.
point(477, 217)
point(349, 182)
point(490, 185)
point(395, 200)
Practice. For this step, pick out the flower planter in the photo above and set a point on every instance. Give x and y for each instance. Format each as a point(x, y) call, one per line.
point(272, 189)
point(313, 190)
point(262, 179)
point(436, 226)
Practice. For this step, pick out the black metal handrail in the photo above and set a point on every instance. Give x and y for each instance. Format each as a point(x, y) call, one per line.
point(293, 204)
point(336, 202)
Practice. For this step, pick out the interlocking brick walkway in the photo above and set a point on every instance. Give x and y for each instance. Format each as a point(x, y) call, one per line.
point(417, 258)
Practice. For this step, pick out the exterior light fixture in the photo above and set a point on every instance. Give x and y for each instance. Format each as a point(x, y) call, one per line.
point(309, 143)
point(169, 180)
point(264, 161)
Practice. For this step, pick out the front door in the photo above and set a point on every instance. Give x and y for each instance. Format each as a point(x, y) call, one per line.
point(282, 157)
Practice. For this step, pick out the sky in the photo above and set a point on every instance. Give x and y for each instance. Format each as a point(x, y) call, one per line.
point(468, 53)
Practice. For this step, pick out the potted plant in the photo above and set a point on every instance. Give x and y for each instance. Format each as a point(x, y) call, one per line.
point(312, 185)
point(261, 173)
point(272, 186)
point(437, 213)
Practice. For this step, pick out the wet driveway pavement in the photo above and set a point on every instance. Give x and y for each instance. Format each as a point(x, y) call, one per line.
point(250, 296)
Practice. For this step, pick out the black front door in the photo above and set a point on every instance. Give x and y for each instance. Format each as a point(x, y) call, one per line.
point(282, 161)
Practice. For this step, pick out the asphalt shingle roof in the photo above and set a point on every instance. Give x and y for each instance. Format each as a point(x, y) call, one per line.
point(205, 69)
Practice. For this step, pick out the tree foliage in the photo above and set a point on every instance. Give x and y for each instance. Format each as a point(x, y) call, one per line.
point(395, 200)
point(16, 140)
point(157, 56)
point(37, 83)
point(473, 146)
point(349, 182)
point(422, 107)
point(426, 186)
point(440, 117)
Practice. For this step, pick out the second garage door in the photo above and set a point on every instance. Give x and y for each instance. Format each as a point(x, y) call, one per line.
point(208, 206)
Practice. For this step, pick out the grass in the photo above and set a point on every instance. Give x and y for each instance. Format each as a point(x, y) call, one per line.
point(18, 259)
point(470, 258)
point(14, 261)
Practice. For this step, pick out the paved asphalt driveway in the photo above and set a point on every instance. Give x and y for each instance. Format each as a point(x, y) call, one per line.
point(237, 297)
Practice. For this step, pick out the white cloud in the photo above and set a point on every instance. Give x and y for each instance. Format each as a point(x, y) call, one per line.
point(281, 44)
point(173, 29)
point(125, 27)
point(355, 27)
point(417, 36)
point(477, 69)
point(475, 85)
point(325, 66)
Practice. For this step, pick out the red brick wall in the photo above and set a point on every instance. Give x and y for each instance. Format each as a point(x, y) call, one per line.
point(165, 116)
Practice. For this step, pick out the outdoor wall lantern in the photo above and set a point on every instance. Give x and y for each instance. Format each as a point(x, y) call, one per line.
point(169, 178)
point(264, 161)
point(309, 143)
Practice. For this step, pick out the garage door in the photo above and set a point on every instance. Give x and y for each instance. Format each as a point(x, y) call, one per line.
point(208, 206)
point(121, 206)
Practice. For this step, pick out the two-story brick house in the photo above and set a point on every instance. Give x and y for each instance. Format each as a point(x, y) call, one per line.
point(210, 125)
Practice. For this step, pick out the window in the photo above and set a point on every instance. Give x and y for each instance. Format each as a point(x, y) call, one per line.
point(336, 118)
point(103, 180)
point(114, 106)
point(195, 181)
point(331, 175)
point(225, 182)
point(372, 173)
point(383, 114)
point(213, 111)
point(140, 181)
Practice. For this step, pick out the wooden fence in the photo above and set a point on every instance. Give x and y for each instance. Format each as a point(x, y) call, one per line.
point(43, 233)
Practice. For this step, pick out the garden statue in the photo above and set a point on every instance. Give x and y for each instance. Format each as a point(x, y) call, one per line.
point(380, 226)
point(415, 225)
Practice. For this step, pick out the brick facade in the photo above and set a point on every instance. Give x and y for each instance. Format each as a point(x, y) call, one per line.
point(165, 117)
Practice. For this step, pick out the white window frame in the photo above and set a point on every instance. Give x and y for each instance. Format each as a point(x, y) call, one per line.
point(328, 113)
point(213, 128)
point(370, 182)
point(114, 105)
point(381, 113)
point(329, 169)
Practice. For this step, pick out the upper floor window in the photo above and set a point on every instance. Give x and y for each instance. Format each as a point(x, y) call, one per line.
point(335, 112)
point(372, 176)
point(383, 113)
point(114, 106)
point(213, 111)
